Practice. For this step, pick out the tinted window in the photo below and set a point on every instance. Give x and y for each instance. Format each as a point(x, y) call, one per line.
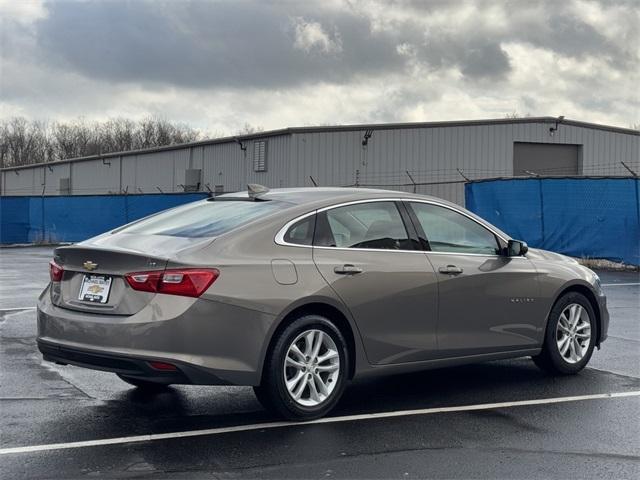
point(301, 233)
point(364, 225)
point(204, 219)
point(450, 231)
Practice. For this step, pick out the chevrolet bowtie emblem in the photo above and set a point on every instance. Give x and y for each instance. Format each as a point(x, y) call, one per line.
point(89, 265)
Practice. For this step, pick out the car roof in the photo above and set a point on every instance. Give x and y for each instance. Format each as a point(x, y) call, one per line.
point(305, 199)
point(315, 195)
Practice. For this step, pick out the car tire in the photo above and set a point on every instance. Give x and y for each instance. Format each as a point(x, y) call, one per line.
point(317, 376)
point(143, 384)
point(566, 349)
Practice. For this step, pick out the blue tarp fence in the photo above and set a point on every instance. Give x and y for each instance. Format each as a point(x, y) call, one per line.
point(580, 217)
point(77, 217)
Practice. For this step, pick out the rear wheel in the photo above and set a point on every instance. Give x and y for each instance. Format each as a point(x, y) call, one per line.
point(570, 336)
point(305, 372)
point(143, 384)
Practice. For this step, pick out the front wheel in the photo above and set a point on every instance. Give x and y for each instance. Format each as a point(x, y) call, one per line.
point(570, 336)
point(306, 370)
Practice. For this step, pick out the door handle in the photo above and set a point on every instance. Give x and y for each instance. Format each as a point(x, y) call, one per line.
point(450, 270)
point(347, 270)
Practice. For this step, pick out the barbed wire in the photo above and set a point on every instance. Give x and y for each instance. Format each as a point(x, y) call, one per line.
point(359, 177)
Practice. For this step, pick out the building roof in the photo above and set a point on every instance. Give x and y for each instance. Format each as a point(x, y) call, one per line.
point(345, 128)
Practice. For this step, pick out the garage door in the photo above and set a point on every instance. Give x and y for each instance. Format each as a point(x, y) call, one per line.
point(545, 159)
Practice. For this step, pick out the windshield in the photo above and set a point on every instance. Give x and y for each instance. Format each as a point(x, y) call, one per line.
point(204, 219)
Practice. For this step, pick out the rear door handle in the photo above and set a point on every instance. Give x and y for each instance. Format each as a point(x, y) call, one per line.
point(347, 270)
point(450, 270)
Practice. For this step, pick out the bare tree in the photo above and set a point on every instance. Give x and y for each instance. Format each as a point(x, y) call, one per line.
point(118, 135)
point(248, 129)
point(24, 142)
point(515, 114)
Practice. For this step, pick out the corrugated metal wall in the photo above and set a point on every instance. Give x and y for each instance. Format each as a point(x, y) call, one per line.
point(434, 155)
point(393, 158)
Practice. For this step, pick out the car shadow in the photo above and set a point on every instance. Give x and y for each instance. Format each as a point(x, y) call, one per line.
point(490, 382)
point(134, 412)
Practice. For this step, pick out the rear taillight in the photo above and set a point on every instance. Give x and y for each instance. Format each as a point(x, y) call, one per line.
point(187, 282)
point(55, 271)
point(165, 367)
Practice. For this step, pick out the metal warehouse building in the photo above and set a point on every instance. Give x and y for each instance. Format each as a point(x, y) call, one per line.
point(434, 158)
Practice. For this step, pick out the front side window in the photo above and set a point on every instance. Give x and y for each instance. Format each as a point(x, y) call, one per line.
point(450, 231)
point(376, 225)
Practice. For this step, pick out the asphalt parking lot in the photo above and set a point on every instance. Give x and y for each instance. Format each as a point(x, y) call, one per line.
point(498, 419)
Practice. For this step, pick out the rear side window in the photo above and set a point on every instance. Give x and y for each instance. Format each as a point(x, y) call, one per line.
point(376, 225)
point(301, 232)
point(205, 219)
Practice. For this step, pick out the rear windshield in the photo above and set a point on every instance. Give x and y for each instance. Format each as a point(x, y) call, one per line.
point(204, 219)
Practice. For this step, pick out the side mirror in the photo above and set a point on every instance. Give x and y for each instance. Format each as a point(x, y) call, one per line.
point(516, 248)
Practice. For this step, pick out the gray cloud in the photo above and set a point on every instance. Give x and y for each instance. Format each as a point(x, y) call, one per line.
point(241, 44)
point(279, 63)
point(201, 44)
point(571, 37)
point(236, 44)
point(488, 61)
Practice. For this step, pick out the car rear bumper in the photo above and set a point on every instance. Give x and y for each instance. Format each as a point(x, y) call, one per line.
point(137, 367)
point(211, 343)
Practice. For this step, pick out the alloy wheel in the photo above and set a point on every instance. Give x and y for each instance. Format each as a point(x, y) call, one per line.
point(311, 368)
point(573, 333)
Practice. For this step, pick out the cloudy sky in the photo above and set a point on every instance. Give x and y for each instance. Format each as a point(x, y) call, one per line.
point(219, 65)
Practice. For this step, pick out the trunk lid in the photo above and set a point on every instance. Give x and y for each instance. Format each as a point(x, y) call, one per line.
point(94, 271)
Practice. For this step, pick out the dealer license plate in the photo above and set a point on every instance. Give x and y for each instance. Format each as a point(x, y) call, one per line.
point(95, 288)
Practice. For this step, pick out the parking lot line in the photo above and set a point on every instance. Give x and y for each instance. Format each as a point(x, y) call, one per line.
point(619, 284)
point(345, 418)
point(14, 309)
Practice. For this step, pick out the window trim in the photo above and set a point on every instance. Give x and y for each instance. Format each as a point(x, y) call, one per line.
point(279, 238)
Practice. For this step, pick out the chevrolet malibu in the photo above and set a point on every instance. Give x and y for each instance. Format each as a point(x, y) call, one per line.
point(298, 291)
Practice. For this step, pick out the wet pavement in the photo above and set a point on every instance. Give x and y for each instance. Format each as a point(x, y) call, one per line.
point(45, 404)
